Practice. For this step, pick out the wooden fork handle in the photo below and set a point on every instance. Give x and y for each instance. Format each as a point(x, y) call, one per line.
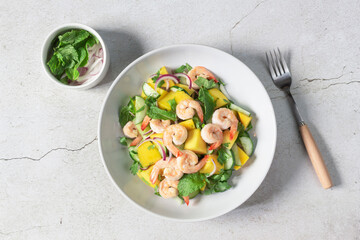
point(315, 157)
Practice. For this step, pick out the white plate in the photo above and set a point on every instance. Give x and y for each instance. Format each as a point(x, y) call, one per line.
point(244, 88)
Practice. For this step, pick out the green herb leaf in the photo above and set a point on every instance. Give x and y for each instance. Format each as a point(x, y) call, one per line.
point(249, 127)
point(226, 144)
point(190, 183)
point(183, 68)
point(127, 112)
point(56, 66)
point(221, 82)
point(68, 56)
point(172, 103)
point(151, 147)
point(73, 37)
point(156, 77)
point(140, 109)
point(123, 141)
point(157, 113)
point(197, 122)
point(223, 155)
point(208, 101)
point(218, 182)
point(156, 189)
point(222, 186)
point(134, 168)
point(203, 82)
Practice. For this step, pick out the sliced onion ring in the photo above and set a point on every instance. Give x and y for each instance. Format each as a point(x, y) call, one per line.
point(143, 169)
point(185, 76)
point(166, 77)
point(213, 171)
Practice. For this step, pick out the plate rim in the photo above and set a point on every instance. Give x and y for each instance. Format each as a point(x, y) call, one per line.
point(273, 147)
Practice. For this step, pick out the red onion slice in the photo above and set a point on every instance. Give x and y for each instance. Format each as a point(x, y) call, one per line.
point(143, 169)
point(185, 76)
point(213, 171)
point(162, 150)
point(166, 77)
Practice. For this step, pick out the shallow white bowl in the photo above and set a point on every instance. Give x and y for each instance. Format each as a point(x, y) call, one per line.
point(245, 89)
point(47, 47)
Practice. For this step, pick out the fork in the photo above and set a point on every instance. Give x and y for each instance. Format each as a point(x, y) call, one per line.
point(281, 77)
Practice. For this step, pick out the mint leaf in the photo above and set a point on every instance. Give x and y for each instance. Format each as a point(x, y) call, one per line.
point(68, 56)
point(157, 113)
point(55, 66)
point(223, 155)
point(218, 182)
point(182, 68)
point(72, 73)
point(73, 37)
point(190, 183)
point(156, 77)
point(208, 101)
point(134, 168)
point(127, 113)
point(172, 103)
point(83, 56)
point(203, 82)
point(222, 186)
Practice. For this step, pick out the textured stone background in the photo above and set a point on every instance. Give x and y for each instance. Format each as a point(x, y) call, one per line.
point(52, 182)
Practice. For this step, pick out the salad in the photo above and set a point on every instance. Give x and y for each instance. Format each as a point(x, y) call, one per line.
point(184, 134)
point(76, 58)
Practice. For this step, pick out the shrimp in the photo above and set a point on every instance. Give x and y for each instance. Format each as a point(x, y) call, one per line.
point(188, 162)
point(186, 109)
point(212, 134)
point(145, 122)
point(168, 188)
point(158, 126)
point(225, 118)
point(130, 130)
point(170, 170)
point(174, 133)
point(199, 72)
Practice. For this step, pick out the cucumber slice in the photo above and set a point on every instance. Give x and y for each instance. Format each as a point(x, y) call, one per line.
point(238, 109)
point(223, 90)
point(183, 80)
point(230, 161)
point(193, 194)
point(141, 110)
point(134, 154)
point(236, 155)
point(149, 91)
point(177, 89)
point(247, 145)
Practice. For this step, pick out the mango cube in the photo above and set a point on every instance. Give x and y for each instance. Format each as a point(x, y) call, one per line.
point(163, 101)
point(188, 124)
point(148, 154)
point(226, 140)
point(244, 119)
point(243, 158)
point(144, 175)
point(195, 143)
point(219, 97)
point(209, 166)
point(186, 88)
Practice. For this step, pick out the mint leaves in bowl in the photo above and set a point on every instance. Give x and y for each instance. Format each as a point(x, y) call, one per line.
point(75, 56)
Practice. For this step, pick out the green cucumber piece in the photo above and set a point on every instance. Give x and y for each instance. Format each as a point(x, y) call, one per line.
point(177, 89)
point(230, 161)
point(134, 154)
point(239, 109)
point(247, 145)
point(149, 91)
point(236, 155)
point(140, 110)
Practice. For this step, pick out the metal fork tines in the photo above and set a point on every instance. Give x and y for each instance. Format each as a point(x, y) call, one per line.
point(281, 77)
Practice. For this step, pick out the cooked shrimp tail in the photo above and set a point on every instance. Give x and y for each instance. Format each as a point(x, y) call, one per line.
point(214, 146)
point(212, 134)
point(145, 122)
point(186, 199)
point(174, 134)
point(168, 188)
point(136, 141)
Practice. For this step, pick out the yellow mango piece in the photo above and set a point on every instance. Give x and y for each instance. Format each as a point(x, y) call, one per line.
point(226, 140)
point(186, 88)
point(195, 143)
point(148, 154)
point(156, 135)
point(158, 90)
point(243, 158)
point(219, 97)
point(163, 101)
point(144, 175)
point(188, 124)
point(209, 166)
point(245, 120)
point(179, 96)
point(163, 70)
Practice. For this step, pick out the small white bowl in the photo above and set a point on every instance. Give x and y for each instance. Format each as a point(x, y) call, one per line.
point(47, 47)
